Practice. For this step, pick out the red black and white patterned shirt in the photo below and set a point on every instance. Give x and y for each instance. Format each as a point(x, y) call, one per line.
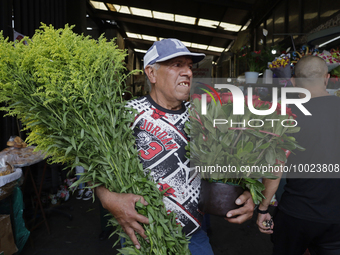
point(161, 141)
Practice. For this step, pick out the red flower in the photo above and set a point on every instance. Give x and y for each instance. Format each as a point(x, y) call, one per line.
point(208, 98)
point(256, 101)
point(269, 104)
point(226, 97)
point(200, 97)
point(290, 113)
point(278, 109)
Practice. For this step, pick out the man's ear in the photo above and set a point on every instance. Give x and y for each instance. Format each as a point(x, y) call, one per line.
point(293, 81)
point(150, 72)
point(327, 79)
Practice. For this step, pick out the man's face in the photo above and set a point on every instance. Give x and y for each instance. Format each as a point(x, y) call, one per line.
point(173, 80)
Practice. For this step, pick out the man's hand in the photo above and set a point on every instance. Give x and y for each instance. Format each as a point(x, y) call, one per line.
point(243, 213)
point(122, 207)
point(262, 218)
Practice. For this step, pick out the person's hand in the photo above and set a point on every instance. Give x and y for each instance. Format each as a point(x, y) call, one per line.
point(122, 207)
point(243, 213)
point(262, 218)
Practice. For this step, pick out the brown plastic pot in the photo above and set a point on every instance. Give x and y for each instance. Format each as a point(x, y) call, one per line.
point(218, 198)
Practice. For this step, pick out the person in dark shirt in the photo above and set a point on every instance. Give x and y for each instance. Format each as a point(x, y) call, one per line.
point(308, 215)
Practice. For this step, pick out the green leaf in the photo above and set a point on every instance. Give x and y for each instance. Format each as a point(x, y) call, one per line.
point(73, 143)
point(249, 147)
point(139, 205)
point(270, 156)
point(280, 154)
point(264, 146)
point(293, 130)
point(166, 229)
point(159, 231)
point(68, 150)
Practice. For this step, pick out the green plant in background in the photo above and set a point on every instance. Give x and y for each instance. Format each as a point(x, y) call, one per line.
point(257, 61)
point(254, 61)
point(268, 54)
point(67, 91)
point(239, 145)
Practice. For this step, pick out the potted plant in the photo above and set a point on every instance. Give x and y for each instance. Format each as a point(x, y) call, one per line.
point(234, 152)
point(256, 61)
point(254, 64)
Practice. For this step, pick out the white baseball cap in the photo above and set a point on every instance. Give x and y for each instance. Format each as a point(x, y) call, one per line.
point(167, 49)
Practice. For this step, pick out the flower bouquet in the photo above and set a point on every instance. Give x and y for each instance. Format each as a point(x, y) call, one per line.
point(281, 67)
point(239, 148)
point(331, 58)
point(67, 91)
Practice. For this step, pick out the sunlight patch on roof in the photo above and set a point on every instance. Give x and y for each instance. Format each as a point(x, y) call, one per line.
point(141, 12)
point(149, 38)
point(99, 5)
point(213, 48)
point(163, 16)
point(185, 19)
point(208, 23)
point(133, 35)
point(230, 27)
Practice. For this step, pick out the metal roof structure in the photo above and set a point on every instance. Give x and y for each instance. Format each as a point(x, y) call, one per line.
point(204, 26)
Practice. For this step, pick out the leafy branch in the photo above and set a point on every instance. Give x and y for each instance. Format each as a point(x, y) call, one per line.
point(67, 91)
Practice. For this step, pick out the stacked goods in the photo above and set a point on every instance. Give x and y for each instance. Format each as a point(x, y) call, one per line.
point(6, 169)
point(67, 91)
point(20, 157)
point(16, 142)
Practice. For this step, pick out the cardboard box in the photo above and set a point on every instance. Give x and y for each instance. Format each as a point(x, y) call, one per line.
point(7, 244)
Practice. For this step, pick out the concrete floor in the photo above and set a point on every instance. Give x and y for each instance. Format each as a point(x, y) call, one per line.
point(81, 235)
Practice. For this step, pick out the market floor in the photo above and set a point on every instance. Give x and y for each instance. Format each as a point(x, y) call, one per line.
point(80, 236)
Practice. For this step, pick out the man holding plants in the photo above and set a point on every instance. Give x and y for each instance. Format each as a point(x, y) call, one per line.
point(308, 212)
point(161, 141)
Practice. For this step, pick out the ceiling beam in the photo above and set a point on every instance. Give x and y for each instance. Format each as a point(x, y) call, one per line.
point(163, 24)
point(260, 13)
point(226, 3)
point(149, 43)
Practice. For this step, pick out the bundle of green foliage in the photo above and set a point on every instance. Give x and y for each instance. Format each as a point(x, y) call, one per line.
point(67, 91)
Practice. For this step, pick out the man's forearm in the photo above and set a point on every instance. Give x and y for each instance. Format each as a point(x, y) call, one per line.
point(104, 195)
point(270, 189)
